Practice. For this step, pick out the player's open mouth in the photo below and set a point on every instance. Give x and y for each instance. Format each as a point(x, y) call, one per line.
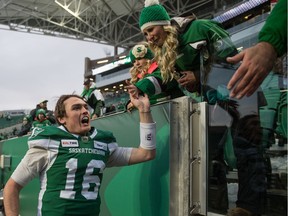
point(85, 120)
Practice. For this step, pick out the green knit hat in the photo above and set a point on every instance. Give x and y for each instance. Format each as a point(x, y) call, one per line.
point(40, 111)
point(140, 51)
point(153, 14)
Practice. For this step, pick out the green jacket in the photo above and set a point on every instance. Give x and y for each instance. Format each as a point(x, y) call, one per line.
point(274, 30)
point(217, 40)
point(217, 45)
point(38, 123)
point(152, 85)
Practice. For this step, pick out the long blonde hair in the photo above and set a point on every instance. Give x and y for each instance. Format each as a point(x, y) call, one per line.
point(166, 55)
point(134, 71)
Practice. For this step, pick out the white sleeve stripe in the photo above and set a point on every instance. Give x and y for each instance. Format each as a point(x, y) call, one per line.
point(198, 44)
point(34, 162)
point(120, 157)
point(44, 144)
point(112, 147)
point(38, 143)
point(156, 84)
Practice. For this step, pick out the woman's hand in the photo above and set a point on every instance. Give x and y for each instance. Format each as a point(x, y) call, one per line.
point(132, 89)
point(188, 81)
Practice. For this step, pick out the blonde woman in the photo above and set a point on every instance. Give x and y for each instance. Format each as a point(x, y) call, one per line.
point(176, 43)
point(146, 77)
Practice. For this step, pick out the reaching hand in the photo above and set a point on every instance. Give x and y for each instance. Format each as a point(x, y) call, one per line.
point(129, 107)
point(257, 62)
point(132, 89)
point(188, 80)
point(142, 103)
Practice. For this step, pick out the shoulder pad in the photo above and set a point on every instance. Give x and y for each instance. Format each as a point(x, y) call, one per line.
point(104, 136)
point(42, 136)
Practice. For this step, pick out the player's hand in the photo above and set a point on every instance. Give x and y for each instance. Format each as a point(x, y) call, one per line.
point(142, 103)
point(188, 80)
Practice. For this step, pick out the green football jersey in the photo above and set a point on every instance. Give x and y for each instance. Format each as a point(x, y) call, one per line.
point(40, 124)
point(71, 183)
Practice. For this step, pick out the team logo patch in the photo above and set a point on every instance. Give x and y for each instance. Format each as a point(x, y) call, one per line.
point(36, 131)
point(149, 137)
point(218, 45)
point(69, 143)
point(100, 145)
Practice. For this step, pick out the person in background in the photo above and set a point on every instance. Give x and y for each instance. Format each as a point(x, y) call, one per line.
point(94, 98)
point(146, 77)
point(258, 60)
point(71, 159)
point(41, 119)
point(25, 127)
point(49, 113)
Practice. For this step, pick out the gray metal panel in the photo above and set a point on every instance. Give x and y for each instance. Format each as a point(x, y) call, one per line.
point(198, 154)
point(187, 157)
point(179, 156)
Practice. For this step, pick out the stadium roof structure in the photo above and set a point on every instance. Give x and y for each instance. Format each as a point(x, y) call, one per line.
point(110, 22)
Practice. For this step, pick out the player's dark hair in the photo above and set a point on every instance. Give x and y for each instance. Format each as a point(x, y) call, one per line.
point(60, 110)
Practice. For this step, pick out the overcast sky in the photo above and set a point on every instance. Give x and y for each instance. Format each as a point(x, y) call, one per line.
point(36, 67)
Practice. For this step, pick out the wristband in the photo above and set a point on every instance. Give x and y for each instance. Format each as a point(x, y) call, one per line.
point(147, 135)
